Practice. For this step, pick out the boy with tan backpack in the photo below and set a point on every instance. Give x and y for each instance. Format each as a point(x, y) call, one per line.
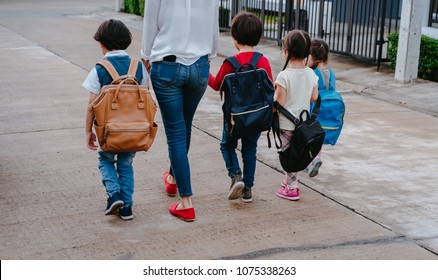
point(122, 111)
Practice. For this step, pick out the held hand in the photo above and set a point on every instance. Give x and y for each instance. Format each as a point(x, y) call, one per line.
point(147, 65)
point(91, 139)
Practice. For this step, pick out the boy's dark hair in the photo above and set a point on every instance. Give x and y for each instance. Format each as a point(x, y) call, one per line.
point(319, 51)
point(246, 29)
point(113, 35)
point(297, 45)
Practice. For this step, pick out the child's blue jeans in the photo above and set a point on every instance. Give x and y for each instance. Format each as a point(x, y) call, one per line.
point(118, 174)
point(249, 155)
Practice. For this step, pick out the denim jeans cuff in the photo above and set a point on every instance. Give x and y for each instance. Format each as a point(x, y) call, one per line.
point(232, 174)
point(112, 193)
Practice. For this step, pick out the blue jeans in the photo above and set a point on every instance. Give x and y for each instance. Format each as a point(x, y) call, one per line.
point(118, 174)
point(179, 89)
point(249, 155)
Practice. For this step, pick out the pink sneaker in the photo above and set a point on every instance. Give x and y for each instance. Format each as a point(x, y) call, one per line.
point(291, 194)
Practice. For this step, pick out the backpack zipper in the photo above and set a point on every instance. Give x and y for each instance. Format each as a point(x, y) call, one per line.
point(250, 111)
point(123, 130)
point(330, 127)
point(244, 113)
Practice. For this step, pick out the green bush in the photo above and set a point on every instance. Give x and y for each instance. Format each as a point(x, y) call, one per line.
point(135, 7)
point(428, 61)
point(392, 48)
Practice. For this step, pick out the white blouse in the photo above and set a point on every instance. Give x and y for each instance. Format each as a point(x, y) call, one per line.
point(188, 29)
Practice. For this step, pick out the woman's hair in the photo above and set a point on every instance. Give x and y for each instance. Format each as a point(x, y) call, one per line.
point(297, 45)
point(113, 35)
point(246, 29)
point(319, 51)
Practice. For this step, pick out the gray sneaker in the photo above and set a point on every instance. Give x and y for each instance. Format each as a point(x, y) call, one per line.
point(313, 167)
point(236, 187)
point(246, 195)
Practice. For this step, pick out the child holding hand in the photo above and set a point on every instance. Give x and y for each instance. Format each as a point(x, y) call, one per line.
point(246, 30)
point(295, 88)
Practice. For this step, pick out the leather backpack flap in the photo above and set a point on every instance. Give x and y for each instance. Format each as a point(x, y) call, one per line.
point(101, 103)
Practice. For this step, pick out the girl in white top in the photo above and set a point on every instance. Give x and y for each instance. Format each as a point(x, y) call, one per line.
point(295, 88)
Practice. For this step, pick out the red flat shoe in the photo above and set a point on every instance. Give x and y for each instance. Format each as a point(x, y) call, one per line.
point(187, 214)
point(171, 189)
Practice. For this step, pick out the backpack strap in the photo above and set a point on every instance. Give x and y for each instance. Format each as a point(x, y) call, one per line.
point(276, 124)
point(255, 59)
point(110, 69)
point(233, 62)
point(286, 113)
point(275, 129)
point(315, 111)
point(132, 70)
point(330, 85)
point(294, 119)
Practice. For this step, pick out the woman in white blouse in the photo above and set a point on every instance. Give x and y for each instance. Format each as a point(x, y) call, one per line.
point(179, 38)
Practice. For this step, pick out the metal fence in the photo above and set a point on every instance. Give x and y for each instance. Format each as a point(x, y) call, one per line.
point(355, 27)
point(433, 15)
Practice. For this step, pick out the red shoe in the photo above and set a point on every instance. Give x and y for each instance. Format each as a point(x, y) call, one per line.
point(187, 214)
point(171, 189)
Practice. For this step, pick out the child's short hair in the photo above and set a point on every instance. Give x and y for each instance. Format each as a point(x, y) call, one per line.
point(297, 45)
point(319, 51)
point(113, 35)
point(246, 29)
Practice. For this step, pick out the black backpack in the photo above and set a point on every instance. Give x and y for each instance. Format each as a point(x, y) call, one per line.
point(306, 141)
point(249, 98)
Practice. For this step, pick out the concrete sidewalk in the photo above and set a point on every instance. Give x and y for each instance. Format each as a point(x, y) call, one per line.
point(375, 196)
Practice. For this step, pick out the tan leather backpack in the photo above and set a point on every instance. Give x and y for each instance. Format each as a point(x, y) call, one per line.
point(124, 113)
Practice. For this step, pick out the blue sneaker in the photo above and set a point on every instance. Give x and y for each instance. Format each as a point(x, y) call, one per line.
point(125, 213)
point(113, 204)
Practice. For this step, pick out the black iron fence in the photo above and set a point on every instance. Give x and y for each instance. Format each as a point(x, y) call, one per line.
point(354, 27)
point(433, 15)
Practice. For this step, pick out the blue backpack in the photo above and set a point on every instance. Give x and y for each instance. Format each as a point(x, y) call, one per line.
point(332, 110)
point(249, 98)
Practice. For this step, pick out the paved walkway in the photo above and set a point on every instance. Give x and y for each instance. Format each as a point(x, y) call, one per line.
point(375, 196)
